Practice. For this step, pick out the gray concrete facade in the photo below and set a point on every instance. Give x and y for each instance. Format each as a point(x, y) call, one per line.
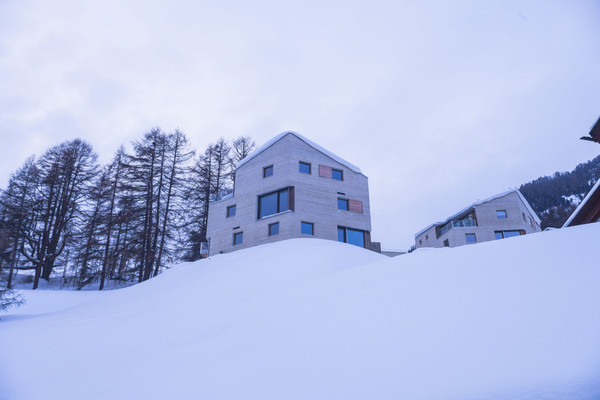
point(504, 215)
point(314, 197)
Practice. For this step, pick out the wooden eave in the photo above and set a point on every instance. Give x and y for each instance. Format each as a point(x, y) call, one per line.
point(590, 211)
point(595, 132)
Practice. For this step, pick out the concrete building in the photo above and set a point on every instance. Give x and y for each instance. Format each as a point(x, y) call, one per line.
point(504, 215)
point(290, 188)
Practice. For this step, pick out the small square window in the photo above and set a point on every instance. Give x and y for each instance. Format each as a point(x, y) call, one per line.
point(307, 228)
point(238, 238)
point(304, 167)
point(470, 237)
point(337, 174)
point(274, 229)
point(501, 214)
point(267, 171)
point(231, 211)
point(343, 204)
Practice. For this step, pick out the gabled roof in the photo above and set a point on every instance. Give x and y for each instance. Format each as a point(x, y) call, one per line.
point(305, 140)
point(479, 202)
point(588, 209)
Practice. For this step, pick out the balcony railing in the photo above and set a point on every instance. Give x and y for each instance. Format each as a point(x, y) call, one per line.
point(462, 223)
point(459, 223)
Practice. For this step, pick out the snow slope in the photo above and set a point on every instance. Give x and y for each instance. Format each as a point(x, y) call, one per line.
point(312, 319)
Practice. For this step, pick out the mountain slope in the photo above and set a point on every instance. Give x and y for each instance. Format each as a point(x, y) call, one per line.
point(308, 318)
point(555, 197)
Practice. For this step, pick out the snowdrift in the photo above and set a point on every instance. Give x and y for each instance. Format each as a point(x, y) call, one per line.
point(313, 319)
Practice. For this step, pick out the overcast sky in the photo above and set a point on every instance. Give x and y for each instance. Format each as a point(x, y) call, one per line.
point(439, 103)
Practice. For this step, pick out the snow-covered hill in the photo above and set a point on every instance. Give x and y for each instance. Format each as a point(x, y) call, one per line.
point(312, 319)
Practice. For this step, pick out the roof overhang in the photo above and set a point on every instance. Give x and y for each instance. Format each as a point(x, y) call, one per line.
point(594, 133)
point(589, 209)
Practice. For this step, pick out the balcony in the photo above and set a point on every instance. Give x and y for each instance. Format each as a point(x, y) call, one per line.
point(459, 223)
point(463, 223)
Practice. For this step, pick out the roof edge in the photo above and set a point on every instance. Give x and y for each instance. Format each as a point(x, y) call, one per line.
point(582, 204)
point(309, 142)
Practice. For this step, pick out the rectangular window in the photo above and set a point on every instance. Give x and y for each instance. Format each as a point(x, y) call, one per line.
point(267, 171)
point(470, 237)
point(355, 206)
point(337, 174)
point(307, 228)
point(274, 229)
point(231, 211)
point(507, 234)
point(343, 204)
point(325, 171)
point(446, 243)
point(275, 202)
point(351, 236)
point(238, 238)
point(501, 214)
point(304, 167)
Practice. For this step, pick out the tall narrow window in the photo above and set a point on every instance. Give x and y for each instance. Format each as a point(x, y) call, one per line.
point(238, 238)
point(307, 228)
point(267, 171)
point(231, 211)
point(274, 229)
point(304, 167)
point(501, 214)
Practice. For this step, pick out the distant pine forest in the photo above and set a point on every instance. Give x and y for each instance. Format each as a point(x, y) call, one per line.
point(554, 198)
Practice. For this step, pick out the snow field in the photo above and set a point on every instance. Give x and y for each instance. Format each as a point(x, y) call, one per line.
point(313, 319)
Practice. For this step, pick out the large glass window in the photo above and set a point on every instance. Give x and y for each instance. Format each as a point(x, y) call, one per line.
point(274, 202)
point(238, 238)
point(307, 228)
point(351, 236)
point(343, 204)
point(507, 234)
point(231, 211)
point(337, 174)
point(274, 229)
point(304, 167)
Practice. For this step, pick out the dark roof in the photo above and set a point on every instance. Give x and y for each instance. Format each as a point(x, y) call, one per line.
point(594, 133)
point(589, 209)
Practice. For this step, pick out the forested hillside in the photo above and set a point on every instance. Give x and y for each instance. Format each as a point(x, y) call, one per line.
point(555, 197)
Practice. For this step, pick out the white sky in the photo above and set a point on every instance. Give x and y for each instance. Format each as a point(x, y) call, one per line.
point(439, 103)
